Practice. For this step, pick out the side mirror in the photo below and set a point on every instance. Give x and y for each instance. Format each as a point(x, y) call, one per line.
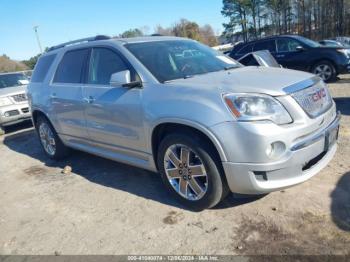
point(123, 79)
point(299, 48)
point(120, 78)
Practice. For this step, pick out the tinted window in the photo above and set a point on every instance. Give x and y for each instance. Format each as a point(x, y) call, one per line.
point(104, 63)
point(287, 45)
point(71, 67)
point(245, 50)
point(42, 67)
point(249, 60)
point(265, 45)
point(9, 80)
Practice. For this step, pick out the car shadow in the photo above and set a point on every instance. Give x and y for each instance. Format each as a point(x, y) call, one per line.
point(105, 172)
point(343, 105)
point(19, 126)
point(340, 207)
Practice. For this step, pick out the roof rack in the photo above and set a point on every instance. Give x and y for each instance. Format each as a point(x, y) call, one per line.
point(78, 41)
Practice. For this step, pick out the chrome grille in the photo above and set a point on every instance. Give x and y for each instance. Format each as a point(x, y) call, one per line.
point(20, 98)
point(315, 100)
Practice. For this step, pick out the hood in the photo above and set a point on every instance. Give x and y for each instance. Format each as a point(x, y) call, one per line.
point(8, 91)
point(250, 79)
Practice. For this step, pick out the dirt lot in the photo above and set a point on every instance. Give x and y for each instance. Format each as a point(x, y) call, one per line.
point(107, 208)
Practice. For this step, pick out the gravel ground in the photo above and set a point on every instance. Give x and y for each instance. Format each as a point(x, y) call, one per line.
point(103, 207)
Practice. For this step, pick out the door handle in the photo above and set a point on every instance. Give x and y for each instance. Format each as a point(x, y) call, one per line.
point(280, 56)
point(89, 99)
point(53, 95)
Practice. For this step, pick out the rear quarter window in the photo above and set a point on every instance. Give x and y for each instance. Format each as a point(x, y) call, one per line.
point(42, 67)
point(70, 69)
point(245, 50)
point(265, 45)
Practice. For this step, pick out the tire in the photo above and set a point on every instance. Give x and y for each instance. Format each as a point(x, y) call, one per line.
point(51, 143)
point(212, 184)
point(325, 70)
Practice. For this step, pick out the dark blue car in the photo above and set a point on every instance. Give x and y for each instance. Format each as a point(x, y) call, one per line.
point(300, 53)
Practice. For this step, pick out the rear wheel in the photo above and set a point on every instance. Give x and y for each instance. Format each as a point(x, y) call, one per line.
point(325, 70)
point(191, 171)
point(51, 143)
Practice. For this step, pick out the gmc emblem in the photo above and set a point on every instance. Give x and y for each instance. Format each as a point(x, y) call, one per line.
point(318, 95)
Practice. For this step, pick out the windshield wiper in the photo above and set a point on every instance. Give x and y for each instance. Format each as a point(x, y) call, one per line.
point(188, 76)
point(230, 67)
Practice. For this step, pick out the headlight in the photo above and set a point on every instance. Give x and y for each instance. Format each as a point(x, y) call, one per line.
point(346, 52)
point(255, 107)
point(5, 101)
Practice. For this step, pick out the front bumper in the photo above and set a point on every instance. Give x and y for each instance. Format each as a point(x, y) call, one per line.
point(344, 68)
point(14, 114)
point(304, 159)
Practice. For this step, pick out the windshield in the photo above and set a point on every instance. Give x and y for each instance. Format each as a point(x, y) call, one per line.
point(308, 42)
point(9, 80)
point(169, 60)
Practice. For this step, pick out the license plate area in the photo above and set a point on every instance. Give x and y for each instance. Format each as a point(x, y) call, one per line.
point(331, 138)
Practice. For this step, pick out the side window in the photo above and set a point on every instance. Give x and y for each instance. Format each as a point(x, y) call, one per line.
point(245, 50)
point(103, 63)
point(265, 45)
point(287, 45)
point(41, 68)
point(71, 67)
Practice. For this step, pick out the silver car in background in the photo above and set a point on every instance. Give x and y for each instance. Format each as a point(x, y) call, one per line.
point(14, 106)
point(206, 123)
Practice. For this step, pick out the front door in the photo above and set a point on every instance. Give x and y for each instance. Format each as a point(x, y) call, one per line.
point(113, 115)
point(288, 56)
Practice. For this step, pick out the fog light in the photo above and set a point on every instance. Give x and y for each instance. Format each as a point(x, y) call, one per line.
point(275, 150)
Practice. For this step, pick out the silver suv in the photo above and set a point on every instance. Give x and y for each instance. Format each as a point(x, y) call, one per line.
point(14, 106)
point(207, 124)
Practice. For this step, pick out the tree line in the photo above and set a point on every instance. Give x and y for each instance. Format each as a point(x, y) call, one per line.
point(316, 19)
point(182, 28)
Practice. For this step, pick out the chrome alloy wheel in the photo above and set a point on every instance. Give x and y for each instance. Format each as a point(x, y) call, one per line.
point(324, 71)
point(185, 172)
point(47, 139)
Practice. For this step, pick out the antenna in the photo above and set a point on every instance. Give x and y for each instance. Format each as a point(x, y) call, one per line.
point(35, 28)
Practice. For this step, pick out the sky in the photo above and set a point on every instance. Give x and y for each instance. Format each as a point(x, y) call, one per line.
point(65, 20)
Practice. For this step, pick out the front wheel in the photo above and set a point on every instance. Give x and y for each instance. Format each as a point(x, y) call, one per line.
point(191, 171)
point(325, 70)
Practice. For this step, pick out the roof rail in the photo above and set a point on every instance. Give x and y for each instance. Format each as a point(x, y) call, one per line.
point(78, 41)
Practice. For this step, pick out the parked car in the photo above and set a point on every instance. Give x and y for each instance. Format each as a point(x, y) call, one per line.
point(13, 99)
point(300, 53)
point(343, 40)
point(207, 124)
point(332, 43)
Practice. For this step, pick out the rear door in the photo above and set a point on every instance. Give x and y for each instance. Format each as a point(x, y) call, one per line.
point(287, 54)
point(66, 95)
point(269, 45)
point(113, 114)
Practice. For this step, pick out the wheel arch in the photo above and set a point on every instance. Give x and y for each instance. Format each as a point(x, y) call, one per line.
point(318, 60)
point(162, 129)
point(36, 113)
